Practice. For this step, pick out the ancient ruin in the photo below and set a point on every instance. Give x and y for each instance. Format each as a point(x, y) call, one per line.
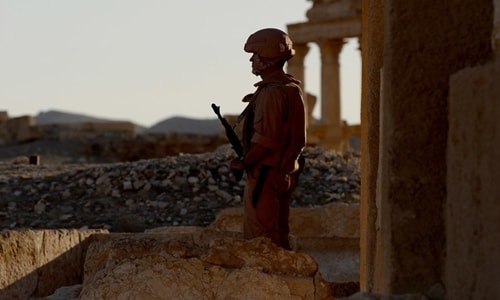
point(329, 23)
point(192, 194)
point(179, 262)
point(429, 208)
point(428, 220)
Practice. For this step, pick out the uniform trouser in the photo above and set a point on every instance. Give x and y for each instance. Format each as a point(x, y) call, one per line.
point(270, 216)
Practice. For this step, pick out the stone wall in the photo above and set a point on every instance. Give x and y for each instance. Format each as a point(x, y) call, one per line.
point(197, 262)
point(473, 226)
point(97, 142)
point(427, 182)
point(24, 129)
point(39, 262)
point(372, 45)
point(18, 129)
point(4, 116)
point(148, 146)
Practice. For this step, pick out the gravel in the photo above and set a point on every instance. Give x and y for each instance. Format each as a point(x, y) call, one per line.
point(183, 190)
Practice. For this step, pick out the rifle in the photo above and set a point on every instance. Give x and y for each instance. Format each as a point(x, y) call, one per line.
point(231, 136)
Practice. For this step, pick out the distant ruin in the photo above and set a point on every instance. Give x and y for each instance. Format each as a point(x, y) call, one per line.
point(329, 23)
point(102, 141)
point(429, 212)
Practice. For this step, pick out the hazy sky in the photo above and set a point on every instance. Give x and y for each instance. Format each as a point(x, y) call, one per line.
point(145, 60)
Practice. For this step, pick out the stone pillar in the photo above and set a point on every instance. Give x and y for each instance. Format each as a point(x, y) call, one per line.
point(472, 214)
point(330, 91)
point(295, 67)
point(496, 28)
point(473, 162)
point(372, 57)
point(414, 133)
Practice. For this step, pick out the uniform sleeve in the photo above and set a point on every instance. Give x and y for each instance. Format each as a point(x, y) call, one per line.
point(268, 122)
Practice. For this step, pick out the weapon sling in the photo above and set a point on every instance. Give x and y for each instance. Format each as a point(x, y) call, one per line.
point(260, 184)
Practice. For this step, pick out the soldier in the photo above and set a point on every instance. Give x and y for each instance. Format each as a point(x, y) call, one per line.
point(274, 135)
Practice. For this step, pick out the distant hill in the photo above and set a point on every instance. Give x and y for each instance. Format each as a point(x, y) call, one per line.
point(60, 117)
point(170, 125)
point(187, 125)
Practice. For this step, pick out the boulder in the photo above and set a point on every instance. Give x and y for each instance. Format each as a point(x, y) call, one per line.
point(197, 263)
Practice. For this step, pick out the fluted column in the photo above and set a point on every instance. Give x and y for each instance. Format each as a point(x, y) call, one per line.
point(296, 67)
point(330, 90)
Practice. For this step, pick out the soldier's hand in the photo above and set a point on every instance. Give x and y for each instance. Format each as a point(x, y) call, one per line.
point(237, 165)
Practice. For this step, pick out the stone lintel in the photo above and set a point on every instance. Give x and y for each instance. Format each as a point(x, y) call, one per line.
point(319, 31)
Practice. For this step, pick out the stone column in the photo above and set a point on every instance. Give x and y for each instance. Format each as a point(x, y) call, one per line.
point(330, 91)
point(372, 57)
point(496, 28)
point(295, 67)
point(414, 128)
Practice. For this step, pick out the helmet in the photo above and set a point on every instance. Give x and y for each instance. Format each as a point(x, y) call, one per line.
point(270, 43)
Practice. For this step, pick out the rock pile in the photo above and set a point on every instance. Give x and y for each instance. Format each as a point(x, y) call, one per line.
point(183, 190)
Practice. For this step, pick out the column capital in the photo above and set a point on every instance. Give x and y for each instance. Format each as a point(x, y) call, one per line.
point(330, 47)
point(301, 49)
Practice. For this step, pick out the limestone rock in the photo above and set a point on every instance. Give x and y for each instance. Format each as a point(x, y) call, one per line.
point(331, 220)
point(38, 262)
point(260, 253)
point(196, 263)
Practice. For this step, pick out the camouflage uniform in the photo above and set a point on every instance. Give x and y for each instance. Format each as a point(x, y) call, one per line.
point(275, 120)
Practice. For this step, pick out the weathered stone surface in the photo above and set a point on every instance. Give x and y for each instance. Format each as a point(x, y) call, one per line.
point(116, 126)
point(38, 262)
point(262, 254)
point(153, 277)
point(338, 258)
point(472, 213)
point(18, 277)
point(18, 129)
point(196, 263)
point(331, 220)
point(4, 116)
point(182, 243)
point(66, 293)
point(229, 219)
point(330, 234)
point(302, 287)
point(164, 277)
point(167, 263)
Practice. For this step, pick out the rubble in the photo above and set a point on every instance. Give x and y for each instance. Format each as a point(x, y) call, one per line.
point(183, 190)
point(171, 218)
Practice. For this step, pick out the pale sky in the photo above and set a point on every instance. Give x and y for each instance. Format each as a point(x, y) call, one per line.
point(146, 60)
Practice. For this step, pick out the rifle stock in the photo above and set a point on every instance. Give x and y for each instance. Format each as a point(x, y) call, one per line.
point(231, 136)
